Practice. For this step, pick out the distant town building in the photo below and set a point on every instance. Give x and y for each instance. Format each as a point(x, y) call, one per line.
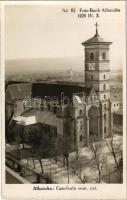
point(116, 99)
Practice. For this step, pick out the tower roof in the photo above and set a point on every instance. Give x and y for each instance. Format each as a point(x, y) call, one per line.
point(96, 39)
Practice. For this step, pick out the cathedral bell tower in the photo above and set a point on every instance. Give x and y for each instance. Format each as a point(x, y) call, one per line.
point(97, 72)
point(97, 75)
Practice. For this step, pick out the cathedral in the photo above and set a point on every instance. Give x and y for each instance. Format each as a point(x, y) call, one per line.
point(79, 114)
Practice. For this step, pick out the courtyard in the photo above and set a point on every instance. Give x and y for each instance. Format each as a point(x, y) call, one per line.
point(82, 167)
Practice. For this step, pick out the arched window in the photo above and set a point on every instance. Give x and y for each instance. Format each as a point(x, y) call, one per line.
point(104, 116)
point(103, 56)
point(80, 138)
point(104, 129)
point(80, 112)
point(91, 77)
point(105, 106)
point(80, 125)
point(91, 56)
point(104, 96)
point(104, 87)
point(104, 76)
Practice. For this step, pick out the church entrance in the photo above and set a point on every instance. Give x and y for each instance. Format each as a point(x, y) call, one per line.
point(93, 123)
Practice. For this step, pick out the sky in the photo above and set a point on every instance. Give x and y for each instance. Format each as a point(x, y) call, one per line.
point(40, 31)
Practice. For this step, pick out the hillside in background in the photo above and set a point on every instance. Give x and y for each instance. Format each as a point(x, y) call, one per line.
point(53, 69)
point(23, 66)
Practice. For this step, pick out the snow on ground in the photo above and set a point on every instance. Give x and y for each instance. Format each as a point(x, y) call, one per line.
point(59, 174)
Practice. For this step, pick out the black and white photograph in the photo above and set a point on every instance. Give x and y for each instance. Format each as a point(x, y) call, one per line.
point(64, 95)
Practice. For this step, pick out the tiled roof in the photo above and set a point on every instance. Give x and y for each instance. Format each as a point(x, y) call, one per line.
point(18, 91)
point(95, 40)
point(23, 90)
point(48, 89)
point(35, 116)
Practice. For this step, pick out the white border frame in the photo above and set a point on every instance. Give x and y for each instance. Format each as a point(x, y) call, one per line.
point(104, 191)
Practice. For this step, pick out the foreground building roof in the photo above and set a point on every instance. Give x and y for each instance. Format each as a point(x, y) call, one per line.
point(23, 90)
point(35, 116)
point(18, 92)
point(48, 89)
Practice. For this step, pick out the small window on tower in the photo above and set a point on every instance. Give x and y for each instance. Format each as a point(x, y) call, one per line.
point(104, 87)
point(80, 125)
point(91, 77)
point(104, 129)
point(91, 56)
point(105, 106)
point(80, 112)
point(103, 56)
point(104, 96)
point(80, 138)
point(104, 76)
point(104, 116)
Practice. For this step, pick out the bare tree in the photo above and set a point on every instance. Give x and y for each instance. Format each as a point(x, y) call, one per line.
point(81, 176)
point(66, 142)
point(37, 146)
point(76, 158)
point(98, 157)
point(116, 151)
